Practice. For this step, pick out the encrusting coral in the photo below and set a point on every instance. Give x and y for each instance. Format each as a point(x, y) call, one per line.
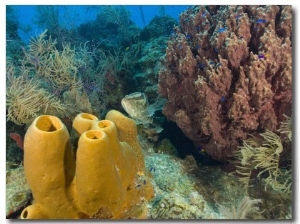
point(228, 73)
point(106, 180)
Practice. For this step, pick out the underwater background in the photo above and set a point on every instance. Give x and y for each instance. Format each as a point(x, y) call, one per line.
point(208, 90)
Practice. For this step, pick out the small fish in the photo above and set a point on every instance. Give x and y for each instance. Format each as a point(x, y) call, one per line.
point(18, 139)
point(137, 185)
point(238, 16)
point(262, 56)
point(180, 46)
point(216, 50)
point(241, 37)
point(211, 63)
point(261, 21)
point(201, 149)
point(219, 64)
point(35, 60)
point(188, 36)
point(203, 14)
point(145, 182)
point(222, 99)
point(221, 30)
point(127, 48)
point(152, 168)
point(200, 65)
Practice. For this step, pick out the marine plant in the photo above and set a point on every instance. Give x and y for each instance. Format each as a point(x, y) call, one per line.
point(263, 154)
point(41, 77)
point(244, 209)
point(25, 99)
point(59, 68)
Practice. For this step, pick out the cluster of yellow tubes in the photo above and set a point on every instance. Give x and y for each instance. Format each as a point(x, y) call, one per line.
point(104, 178)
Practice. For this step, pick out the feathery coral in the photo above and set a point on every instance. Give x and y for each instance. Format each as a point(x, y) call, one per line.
point(246, 207)
point(26, 100)
point(264, 155)
point(286, 127)
point(59, 68)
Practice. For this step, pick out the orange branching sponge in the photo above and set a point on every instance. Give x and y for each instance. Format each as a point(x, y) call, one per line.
point(106, 180)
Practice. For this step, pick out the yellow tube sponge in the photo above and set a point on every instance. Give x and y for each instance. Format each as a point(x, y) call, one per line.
point(106, 180)
point(97, 180)
point(49, 168)
point(83, 122)
point(124, 157)
point(127, 132)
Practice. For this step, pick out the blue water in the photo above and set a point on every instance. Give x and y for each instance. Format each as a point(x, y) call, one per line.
point(80, 14)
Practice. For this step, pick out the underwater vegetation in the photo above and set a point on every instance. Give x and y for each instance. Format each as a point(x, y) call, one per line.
point(220, 78)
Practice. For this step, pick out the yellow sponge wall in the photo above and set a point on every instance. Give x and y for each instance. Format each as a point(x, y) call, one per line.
point(107, 179)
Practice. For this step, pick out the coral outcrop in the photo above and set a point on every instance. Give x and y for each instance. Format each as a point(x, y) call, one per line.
point(106, 180)
point(228, 73)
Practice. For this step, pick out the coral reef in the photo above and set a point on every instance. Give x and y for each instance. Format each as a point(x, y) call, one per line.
point(106, 180)
point(228, 73)
point(148, 66)
point(173, 206)
point(175, 196)
point(165, 147)
point(227, 77)
point(159, 26)
point(213, 193)
point(17, 190)
point(115, 25)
